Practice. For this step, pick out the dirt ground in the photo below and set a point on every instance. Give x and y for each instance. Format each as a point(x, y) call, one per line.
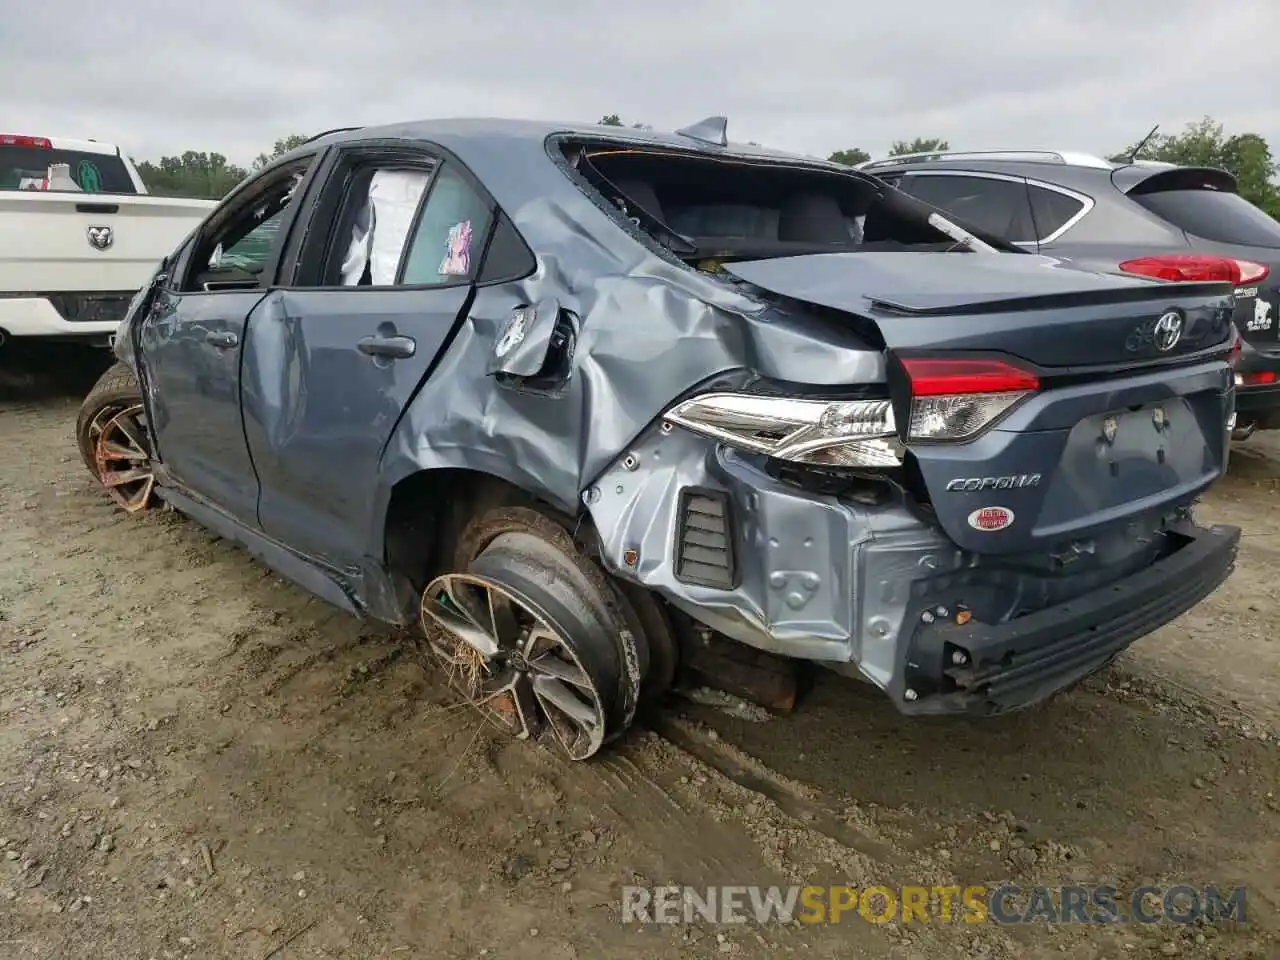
point(198, 760)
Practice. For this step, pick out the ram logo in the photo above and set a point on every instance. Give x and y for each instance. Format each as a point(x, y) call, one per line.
point(1015, 482)
point(100, 237)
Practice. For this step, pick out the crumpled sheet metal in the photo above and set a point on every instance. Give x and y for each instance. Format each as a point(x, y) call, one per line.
point(649, 330)
point(821, 579)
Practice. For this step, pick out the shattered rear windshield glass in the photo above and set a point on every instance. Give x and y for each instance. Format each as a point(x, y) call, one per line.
point(28, 168)
point(717, 206)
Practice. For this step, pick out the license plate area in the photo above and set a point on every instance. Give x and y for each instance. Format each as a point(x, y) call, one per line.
point(1128, 440)
point(1257, 317)
point(1114, 459)
point(91, 308)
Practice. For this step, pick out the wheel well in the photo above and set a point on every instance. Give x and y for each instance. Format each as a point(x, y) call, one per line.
point(429, 509)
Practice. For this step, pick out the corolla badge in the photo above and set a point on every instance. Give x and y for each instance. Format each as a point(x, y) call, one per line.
point(1168, 331)
point(1017, 481)
point(990, 519)
point(100, 237)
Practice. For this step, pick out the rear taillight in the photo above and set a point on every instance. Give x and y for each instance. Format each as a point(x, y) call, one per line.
point(1251, 272)
point(18, 140)
point(956, 399)
point(1197, 267)
point(1255, 378)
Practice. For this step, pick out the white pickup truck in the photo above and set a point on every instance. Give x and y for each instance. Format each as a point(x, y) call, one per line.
point(78, 236)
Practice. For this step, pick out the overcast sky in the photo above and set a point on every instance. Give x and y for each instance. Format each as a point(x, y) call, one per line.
point(806, 75)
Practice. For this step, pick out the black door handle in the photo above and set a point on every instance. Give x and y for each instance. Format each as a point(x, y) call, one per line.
point(222, 339)
point(397, 348)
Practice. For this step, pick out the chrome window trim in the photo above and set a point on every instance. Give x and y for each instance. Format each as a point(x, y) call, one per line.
point(1086, 202)
point(1071, 158)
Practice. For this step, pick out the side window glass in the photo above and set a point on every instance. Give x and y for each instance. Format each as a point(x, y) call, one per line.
point(999, 207)
point(1051, 210)
point(450, 232)
point(250, 252)
point(508, 257)
point(374, 228)
point(234, 254)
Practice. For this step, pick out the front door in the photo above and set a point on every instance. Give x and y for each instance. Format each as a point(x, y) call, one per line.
point(332, 360)
point(192, 340)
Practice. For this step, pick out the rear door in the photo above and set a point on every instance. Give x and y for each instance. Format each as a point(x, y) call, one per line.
point(1206, 206)
point(379, 285)
point(192, 337)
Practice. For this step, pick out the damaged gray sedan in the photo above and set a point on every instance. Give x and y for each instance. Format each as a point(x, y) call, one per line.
point(581, 402)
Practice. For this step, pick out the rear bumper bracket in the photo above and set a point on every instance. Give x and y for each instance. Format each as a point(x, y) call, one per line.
point(997, 668)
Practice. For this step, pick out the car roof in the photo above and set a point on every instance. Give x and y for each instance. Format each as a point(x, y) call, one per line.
point(1062, 167)
point(510, 158)
point(453, 131)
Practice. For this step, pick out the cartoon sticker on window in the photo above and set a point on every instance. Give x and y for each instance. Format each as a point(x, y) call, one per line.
point(457, 256)
point(89, 178)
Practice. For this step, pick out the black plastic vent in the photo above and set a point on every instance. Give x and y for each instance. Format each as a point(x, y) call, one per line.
point(704, 540)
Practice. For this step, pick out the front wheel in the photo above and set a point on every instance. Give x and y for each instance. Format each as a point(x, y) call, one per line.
point(112, 437)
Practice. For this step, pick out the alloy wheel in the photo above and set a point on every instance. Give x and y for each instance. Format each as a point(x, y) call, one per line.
point(121, 458)
point(504, 653)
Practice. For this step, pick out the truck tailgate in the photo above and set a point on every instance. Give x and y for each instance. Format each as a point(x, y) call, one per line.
point(80, 242)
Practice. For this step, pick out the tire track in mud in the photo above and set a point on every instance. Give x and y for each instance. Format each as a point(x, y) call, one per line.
point(274, 718)
point(692, 849)
point(814, 815)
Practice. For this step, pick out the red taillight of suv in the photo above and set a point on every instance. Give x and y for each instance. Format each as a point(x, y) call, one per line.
point(1193, 267)
point(956, 399)
point(1256, 378)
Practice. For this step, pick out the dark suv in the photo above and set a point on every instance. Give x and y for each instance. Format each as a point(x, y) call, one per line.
point(1146, 218)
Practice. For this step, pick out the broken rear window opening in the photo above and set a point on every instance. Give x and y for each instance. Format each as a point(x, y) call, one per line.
point(28, 168)
point(731, 207)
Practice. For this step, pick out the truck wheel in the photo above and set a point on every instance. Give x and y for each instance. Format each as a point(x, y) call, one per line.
point(112, 437)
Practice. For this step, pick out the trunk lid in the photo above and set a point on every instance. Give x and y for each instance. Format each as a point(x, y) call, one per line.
point(1029, 306)
point(1110, 421)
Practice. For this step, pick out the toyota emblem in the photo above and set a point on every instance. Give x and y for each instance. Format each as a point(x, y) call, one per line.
point(100, 237)
point(1168, 331)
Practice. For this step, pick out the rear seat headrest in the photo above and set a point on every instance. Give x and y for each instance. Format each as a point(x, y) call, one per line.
point(813, 218)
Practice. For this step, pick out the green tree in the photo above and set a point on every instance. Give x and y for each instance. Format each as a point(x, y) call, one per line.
point(192, 174)
point(850, 157)
point(918, 145)
point(1246, 156)
point(282, 146)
